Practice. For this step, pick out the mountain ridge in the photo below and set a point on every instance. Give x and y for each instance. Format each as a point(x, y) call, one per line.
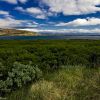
point(15, 32)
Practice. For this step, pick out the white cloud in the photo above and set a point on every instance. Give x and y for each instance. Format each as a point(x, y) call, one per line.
point(37, 12)
point(73, 7)
point(10, 1)
point(23, 1)
point(81, 22)
point(41, 16)
point(4, 12)
point(19, 9)
point(33, 11)
point(15, 1)
point(31, 24)
point(9, 22)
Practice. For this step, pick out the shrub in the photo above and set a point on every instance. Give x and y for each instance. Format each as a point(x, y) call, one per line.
point(51, 54)
point(19, 75)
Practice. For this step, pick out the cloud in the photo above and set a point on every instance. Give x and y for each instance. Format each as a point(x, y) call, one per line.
point(10, 1)
point(33, 11)
point(4, 12)
point(19, 9)
point(73, 7)
point(37, 12)
point(65, 31)
point(41, 16)
point(81, 22)
point(15, 1)
point(31, 24)
point(10, 22)
point(23, 1)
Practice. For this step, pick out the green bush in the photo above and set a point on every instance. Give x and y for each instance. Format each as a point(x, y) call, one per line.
point(51, 54)
point(19, 75)
point(59, 53)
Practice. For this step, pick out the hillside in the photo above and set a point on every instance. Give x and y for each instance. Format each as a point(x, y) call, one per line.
point(14, 32)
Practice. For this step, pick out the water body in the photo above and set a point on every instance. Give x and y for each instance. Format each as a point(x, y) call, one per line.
point(48, 37)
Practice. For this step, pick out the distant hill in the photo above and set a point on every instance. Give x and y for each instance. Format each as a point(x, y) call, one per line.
point(14, 32)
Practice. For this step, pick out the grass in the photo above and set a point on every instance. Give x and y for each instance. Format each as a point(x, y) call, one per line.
point(68, 83)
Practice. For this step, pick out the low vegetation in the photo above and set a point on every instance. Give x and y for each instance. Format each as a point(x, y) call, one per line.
point(17, 76)
point(50, 54)
point(69, 83)
point(53, 67)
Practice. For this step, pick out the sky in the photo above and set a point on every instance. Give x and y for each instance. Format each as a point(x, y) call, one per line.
point(60, 16)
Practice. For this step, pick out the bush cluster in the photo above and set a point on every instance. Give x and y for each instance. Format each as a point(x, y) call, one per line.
point(18, 75)
point(51, 54)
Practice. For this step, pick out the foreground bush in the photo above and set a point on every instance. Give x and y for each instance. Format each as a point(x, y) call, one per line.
point(18, 76)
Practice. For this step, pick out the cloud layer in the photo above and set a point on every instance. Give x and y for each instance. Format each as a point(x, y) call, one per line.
point(66, 31)
point(15, 1)
point(73, 7)
point(9, 22)
point(4, 12)
point(81, 22)
point(33, 11)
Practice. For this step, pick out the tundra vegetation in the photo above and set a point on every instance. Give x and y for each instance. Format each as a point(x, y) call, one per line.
point(50, 70)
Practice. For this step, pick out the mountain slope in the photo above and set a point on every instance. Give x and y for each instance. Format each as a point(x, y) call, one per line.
point(14, 32)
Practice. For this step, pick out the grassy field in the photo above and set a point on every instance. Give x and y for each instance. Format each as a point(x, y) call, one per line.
point(54, 68)
point(68, 83)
